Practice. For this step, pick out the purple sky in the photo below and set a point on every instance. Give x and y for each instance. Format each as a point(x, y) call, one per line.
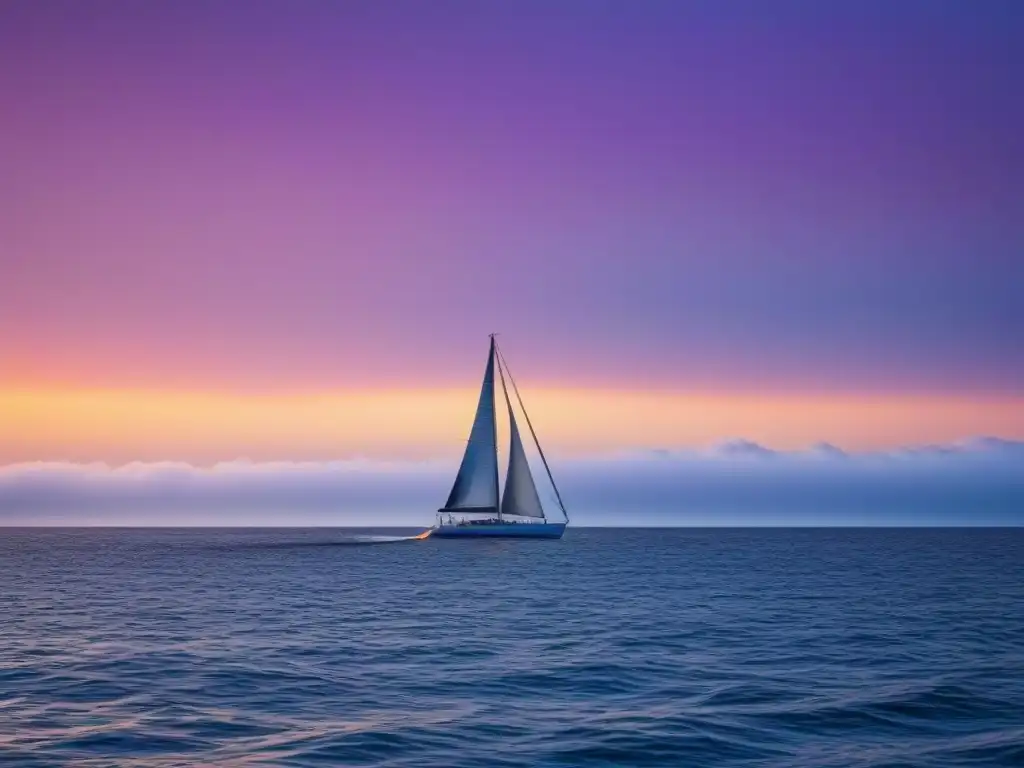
point(794, 195)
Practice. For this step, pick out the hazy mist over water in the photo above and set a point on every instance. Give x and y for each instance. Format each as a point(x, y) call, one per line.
point(854, 648)
point(973, 482)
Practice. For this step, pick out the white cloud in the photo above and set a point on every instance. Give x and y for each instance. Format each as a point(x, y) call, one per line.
point(738, 447)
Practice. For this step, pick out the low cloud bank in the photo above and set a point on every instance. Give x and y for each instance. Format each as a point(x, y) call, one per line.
point(974, 482)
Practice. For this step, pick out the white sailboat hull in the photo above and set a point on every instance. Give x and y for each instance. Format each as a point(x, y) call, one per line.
point(500, 530)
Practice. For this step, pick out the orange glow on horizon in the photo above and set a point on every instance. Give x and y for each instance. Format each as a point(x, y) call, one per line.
point(118, 426)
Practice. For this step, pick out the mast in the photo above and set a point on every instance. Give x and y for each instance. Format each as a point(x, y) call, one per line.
point(503, 364)
point(494, 425)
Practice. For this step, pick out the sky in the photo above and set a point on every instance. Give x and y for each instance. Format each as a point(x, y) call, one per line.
point(282, 231)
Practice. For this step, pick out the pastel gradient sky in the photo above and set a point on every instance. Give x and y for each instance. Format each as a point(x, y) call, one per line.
point(283, 230)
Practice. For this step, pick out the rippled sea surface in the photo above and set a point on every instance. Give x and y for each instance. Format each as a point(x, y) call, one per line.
point(608, 648)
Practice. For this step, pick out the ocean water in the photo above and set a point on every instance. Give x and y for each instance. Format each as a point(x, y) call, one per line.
point(686, 647)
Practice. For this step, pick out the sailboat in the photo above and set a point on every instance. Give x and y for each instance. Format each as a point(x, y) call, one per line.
point(474, 507)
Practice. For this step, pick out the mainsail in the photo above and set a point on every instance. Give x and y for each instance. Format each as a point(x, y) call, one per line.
point(476, 485)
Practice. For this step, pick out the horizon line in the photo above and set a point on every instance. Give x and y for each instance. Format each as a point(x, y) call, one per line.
point(816, 526)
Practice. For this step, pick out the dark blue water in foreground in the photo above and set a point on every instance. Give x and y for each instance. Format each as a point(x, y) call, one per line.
point(608, 648)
